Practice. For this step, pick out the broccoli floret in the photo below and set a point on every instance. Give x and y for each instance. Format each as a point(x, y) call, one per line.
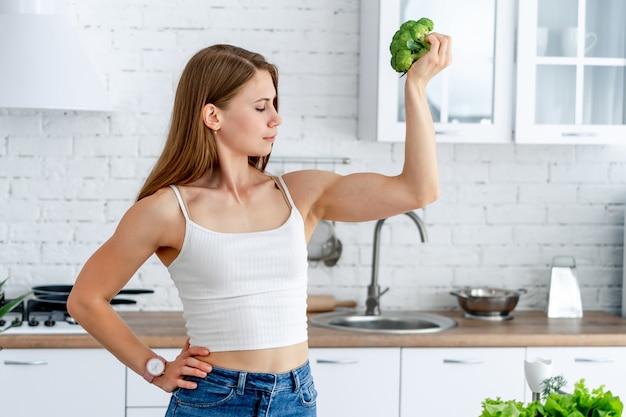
point(426, 22)
point(403, 59)
point(408, 44)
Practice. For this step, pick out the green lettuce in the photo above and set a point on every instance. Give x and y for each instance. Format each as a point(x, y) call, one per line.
point(580, 403)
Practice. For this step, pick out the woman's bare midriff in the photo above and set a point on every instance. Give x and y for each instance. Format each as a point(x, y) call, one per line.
point(275, 361)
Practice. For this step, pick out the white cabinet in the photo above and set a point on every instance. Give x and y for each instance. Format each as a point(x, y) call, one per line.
point(597, 365)
point(61, 382)
point(571, 71)
point(362, 382)
point(565, 85)
point(146, 412)
point(143, 399)
point(471, 101)
point(403, 381)
point(431, 377)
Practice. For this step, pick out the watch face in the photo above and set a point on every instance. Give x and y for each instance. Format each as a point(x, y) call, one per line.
point(155, 366)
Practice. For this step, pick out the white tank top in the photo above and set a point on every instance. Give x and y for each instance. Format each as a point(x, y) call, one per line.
point(243, 291)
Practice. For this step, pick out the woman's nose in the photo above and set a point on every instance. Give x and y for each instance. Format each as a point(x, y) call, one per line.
point(276, 120)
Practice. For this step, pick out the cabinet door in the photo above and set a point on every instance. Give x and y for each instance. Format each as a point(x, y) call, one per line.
point(362, 382)
point(431, 377)
point(471, 101)
point(146, 412)
point(61, 382)
point(571, 71)
point(597, 365)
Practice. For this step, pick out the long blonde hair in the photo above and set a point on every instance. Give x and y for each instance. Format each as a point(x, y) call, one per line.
point(213, 75)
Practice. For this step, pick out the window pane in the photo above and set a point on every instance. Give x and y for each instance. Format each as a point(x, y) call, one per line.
point(605, 20)
point(558, 20)
point(556, 94)
point(604, 96)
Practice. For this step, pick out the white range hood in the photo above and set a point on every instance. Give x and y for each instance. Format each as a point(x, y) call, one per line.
point(42, 62)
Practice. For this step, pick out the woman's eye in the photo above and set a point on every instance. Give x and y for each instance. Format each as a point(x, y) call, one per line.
point(261, 109)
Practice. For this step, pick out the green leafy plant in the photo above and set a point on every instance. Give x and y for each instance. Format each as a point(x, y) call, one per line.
point(581, 403)
point(553, 384)
point(10, 305)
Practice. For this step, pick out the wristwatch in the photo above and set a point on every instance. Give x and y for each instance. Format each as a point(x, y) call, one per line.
point(154, 367)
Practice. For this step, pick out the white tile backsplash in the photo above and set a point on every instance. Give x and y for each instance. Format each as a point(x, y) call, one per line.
point(505, 210)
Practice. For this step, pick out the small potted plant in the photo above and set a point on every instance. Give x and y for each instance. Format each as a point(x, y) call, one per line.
point(5, 308)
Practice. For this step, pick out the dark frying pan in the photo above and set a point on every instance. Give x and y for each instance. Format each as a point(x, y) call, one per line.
point(59, 301)
point(66, 289)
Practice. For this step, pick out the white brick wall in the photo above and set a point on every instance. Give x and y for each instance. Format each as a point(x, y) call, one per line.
point(504, 212)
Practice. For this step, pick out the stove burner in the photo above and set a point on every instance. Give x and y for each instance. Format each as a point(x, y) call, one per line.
point(46, 311)
point(33, 316)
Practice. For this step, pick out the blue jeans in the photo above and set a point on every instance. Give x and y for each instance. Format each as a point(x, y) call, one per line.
point(230, 393)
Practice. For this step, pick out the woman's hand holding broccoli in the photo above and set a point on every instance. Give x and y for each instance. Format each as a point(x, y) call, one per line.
point(409, 43)
point(434, 61)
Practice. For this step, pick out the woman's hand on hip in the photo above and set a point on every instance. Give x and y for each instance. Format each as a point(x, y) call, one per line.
point(185, 364)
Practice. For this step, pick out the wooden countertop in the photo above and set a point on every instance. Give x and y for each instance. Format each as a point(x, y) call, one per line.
point(528, 328)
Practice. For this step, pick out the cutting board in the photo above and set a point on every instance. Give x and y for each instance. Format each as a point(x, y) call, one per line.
point(322, 303)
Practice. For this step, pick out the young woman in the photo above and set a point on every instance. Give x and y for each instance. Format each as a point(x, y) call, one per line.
point(234, 237)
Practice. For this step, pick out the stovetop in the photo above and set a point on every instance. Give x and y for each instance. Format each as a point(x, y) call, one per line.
point(34, 317)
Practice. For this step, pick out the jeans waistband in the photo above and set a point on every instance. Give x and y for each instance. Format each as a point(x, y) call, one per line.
point(243, 380)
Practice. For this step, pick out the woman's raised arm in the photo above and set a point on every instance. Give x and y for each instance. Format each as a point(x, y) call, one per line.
point(370, 196)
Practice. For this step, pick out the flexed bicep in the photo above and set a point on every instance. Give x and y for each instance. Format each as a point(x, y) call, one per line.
point(354, 197)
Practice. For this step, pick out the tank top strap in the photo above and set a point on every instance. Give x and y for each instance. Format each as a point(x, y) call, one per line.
point(181, 202)
point(285, 191)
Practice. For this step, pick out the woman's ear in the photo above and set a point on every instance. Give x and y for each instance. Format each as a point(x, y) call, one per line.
point(210, 116)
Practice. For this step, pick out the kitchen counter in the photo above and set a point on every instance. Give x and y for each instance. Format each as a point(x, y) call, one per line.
point(527, 328)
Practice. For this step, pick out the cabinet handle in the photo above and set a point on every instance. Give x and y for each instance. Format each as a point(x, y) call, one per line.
point(579, 134)
point(594, 360)
point(464, 361)
point(24, 363)
point(338, 361)
point(450, 132)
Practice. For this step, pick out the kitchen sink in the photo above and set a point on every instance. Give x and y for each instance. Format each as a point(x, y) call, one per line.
point(396, 322)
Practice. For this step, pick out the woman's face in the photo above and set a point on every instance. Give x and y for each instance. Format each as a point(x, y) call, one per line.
point(249, 123)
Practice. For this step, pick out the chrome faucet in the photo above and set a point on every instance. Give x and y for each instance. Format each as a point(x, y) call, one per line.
point(372, 304)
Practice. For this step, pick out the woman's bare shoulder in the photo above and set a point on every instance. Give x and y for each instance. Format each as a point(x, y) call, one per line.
point(161, 202)
point(157, 210)
point(307, 188)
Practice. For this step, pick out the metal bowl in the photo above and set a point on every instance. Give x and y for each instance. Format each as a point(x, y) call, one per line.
point(487, 301)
